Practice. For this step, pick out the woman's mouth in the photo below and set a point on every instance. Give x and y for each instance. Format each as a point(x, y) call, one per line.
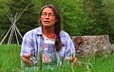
point(46, 21)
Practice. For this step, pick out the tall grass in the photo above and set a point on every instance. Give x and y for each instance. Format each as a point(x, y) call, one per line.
point(10, 62)
point(103, 64)
point(9, 58)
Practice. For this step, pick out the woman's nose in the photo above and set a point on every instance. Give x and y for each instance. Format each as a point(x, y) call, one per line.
point(47, 16)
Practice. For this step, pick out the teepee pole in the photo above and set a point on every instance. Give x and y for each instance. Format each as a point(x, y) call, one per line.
point(19, 32)
point(11, 34)
point(13, 29)
point(6, 35)
point(16, 37)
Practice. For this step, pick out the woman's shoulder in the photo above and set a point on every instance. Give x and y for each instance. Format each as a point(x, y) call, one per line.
point(64, 33)
point(34, 31)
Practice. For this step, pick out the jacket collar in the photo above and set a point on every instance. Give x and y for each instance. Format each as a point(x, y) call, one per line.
point(38, 31)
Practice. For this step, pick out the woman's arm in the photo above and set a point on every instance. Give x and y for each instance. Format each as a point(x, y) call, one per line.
point(27, 50)
point(70, 51)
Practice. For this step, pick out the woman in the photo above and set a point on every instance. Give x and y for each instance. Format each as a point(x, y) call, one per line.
point(48, 40)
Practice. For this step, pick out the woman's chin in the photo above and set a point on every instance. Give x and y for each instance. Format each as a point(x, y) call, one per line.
point(45, 24)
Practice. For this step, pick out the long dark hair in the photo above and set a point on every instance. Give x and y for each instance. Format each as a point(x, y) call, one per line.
point(57, 29)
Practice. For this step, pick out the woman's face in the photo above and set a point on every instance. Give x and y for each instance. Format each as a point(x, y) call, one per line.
point(48, 17)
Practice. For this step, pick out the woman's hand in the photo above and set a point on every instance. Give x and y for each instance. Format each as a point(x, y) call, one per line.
point(46, 59)
point(26, 59)
point(73, 60)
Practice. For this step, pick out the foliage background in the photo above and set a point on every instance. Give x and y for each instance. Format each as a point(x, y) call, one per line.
point(79, 17)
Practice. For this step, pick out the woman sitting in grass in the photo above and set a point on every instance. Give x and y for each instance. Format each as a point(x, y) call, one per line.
point(48, 41)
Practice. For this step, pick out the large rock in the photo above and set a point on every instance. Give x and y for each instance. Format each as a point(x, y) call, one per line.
point(92, 44)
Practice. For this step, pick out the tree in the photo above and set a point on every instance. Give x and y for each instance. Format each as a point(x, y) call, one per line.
point(95, 10)
point(45, 2)
point(26, 22)
point(73, 17)
point(29, 18)
point(4, 22)
point(109, 7)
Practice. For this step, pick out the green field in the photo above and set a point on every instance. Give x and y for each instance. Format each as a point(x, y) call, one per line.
point(9, 57)
point(10, 62)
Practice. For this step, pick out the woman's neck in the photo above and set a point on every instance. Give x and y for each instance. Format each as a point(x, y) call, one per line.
point(49, 32)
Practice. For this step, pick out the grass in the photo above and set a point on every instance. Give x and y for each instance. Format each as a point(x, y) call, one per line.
point(10, 62)
point(9, 58)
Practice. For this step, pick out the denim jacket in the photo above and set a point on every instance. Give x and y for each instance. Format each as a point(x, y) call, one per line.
point(33, 41)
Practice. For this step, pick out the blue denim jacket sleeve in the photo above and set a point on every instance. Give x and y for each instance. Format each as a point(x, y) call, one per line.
point(27, 44)
point(70, 49)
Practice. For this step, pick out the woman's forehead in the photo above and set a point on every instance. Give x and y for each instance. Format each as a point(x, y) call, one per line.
point(48, 10)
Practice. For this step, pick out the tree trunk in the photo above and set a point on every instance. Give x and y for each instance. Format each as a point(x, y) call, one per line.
point(92, 44)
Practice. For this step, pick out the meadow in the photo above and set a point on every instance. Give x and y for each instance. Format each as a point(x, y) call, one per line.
point(10, 62)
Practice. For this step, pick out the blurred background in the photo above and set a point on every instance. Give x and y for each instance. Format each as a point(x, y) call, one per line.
point(79, 17)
